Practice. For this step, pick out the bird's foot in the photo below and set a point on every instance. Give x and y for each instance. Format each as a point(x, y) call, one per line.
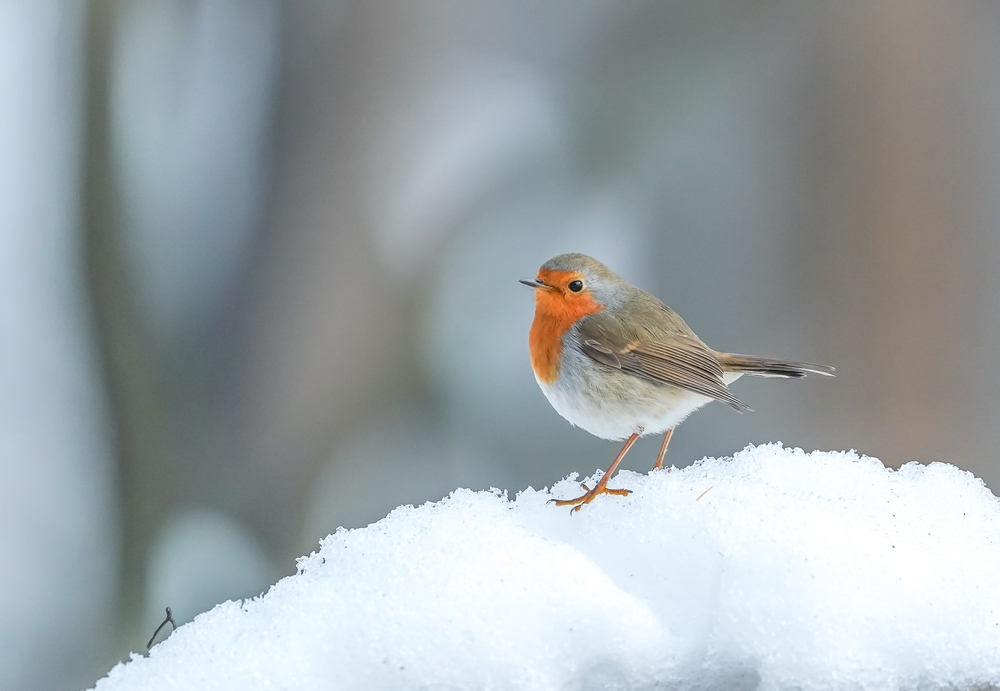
point(580, 501)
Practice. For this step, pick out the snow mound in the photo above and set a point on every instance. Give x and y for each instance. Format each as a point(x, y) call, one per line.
point(805, 571)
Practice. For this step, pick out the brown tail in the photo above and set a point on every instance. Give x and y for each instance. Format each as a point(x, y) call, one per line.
point(763, 367)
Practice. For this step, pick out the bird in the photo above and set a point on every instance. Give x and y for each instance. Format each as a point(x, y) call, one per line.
point(617, 362)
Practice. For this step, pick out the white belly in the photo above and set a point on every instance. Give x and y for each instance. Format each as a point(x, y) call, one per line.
point(611, 404)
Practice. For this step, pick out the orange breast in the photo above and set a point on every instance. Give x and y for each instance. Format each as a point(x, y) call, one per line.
point(555, 312)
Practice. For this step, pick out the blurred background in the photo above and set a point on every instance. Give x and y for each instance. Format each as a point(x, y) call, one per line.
point(259, 263)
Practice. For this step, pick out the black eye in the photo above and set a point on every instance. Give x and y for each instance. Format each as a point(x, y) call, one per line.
point(576, 286)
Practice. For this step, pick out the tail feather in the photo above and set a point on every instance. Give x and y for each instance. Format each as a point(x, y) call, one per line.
point(764, 367)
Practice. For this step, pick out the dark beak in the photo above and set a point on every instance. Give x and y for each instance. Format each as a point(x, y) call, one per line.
point(536, 284)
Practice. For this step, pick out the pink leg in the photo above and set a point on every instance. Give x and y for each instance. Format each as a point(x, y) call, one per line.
point(602, 486)
point(663, 449)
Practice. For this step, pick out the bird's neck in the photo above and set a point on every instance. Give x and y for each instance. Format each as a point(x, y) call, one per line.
point(554, 316)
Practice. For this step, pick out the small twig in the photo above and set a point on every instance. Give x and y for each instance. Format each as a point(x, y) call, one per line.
point(705, 492)
point(173, 627)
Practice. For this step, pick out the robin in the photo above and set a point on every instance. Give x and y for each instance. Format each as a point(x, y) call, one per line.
point(616, 361)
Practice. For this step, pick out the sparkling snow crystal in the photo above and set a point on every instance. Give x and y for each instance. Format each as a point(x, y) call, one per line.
point(821, 570)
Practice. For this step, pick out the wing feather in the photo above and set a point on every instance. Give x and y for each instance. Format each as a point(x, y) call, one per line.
point(677, 359)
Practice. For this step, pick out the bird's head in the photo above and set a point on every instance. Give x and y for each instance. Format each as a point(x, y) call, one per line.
point(571, 286)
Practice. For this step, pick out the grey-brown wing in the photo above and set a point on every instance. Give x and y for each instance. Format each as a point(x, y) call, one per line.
point(672, 358)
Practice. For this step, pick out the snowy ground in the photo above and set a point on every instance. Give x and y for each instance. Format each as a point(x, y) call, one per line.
point(821, 570)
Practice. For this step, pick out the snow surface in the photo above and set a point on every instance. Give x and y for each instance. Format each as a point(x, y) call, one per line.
point(823, 570)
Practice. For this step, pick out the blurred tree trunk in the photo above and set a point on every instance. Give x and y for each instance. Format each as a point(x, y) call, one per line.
point(896, 227)
point(126, 368)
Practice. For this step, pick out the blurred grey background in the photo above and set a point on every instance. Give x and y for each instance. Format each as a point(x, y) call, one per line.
point(259, 262)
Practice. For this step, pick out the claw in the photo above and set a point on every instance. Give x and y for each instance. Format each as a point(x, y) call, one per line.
point(589, 497)
point(602, 486)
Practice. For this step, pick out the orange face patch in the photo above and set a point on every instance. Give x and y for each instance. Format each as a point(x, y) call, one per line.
point(556, 310)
